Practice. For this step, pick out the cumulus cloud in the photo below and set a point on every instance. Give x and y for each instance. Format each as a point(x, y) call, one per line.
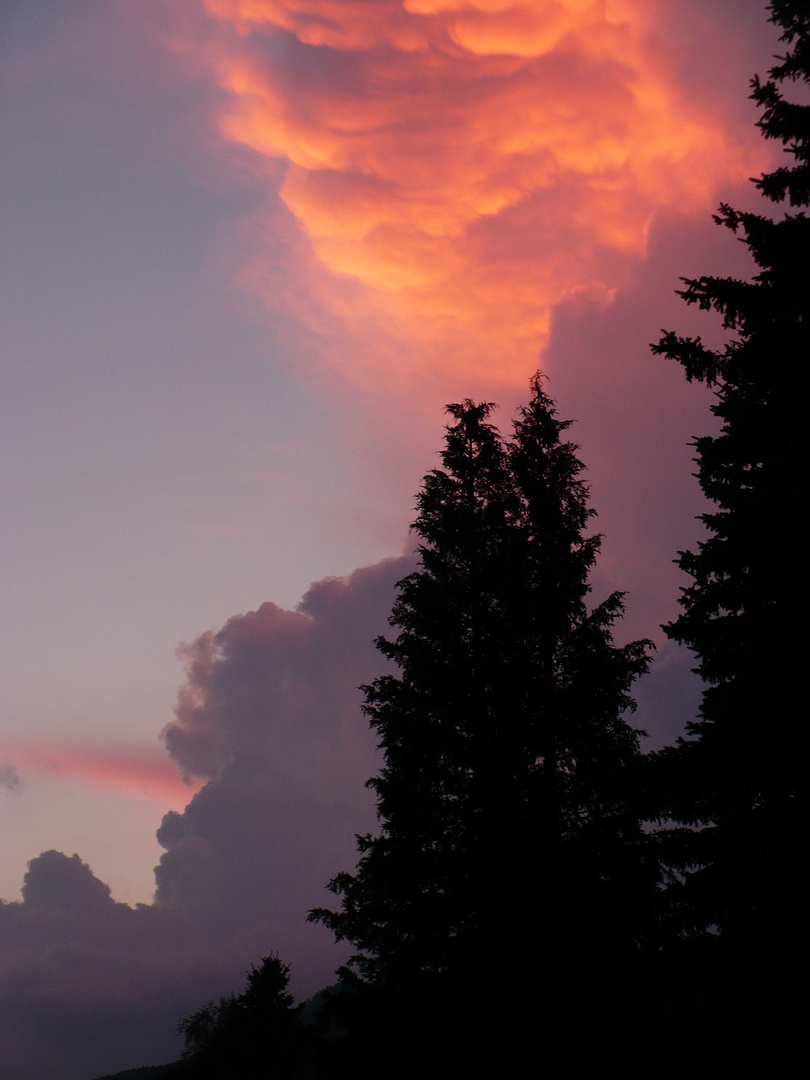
point(282, 686)
point(457, 169)
point(441, 176)
point(88, 985)
point(269, 717)
point(53, 880)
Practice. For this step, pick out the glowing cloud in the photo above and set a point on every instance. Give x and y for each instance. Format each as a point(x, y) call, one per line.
point(458, 167)
point(125, 769)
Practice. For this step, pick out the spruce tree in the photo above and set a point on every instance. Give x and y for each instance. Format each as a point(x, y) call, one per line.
point(252, 1035)
point(732, 785)
point(503, 824)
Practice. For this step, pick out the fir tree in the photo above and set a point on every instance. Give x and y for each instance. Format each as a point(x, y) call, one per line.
point(503, 822)
point(733, 783)
point(250, 1035)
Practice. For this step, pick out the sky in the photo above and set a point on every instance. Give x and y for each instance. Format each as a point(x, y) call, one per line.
point(250, 249)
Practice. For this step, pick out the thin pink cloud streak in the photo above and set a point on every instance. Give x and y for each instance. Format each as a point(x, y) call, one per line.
point(128, 770)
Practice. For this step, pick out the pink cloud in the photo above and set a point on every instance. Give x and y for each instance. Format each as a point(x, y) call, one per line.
point(455, 171)
point(130, 770)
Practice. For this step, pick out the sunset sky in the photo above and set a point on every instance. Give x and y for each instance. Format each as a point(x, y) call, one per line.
point(250, 248)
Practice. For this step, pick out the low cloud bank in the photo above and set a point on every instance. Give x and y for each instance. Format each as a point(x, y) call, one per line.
point(269, 717)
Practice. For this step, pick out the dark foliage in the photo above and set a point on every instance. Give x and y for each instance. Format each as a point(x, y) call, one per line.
point(145, 1072)
point(252, 1035)
point(509, 871)
point(730, 789)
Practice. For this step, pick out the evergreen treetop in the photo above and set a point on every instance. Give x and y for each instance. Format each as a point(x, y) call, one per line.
point(502, 817)
point(738, 614)
point(731, 789)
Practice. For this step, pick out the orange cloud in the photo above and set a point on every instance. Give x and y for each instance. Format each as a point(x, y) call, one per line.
point(459, 167)
point(124, 769)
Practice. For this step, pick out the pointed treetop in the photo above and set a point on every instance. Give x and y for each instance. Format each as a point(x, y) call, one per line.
point(787, 121)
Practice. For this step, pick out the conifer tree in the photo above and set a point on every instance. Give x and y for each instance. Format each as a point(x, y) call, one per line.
point(503, 822)
point(252, 1035)
point(748, 579)
point(733, 783)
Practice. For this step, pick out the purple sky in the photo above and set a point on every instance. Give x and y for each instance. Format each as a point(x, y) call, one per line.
point(249, 250)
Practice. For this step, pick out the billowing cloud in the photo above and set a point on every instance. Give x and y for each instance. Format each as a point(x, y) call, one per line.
point(53, 880)
point(270, 717)
point(282, 686)
point(87, 984)
point(456, 169)
point(445, 182)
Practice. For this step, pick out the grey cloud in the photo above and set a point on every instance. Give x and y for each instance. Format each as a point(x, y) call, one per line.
point(10, 778)
point(270, 716)
point(54, 880)
point(88, 985)
point(282, 686)
point(668, 698)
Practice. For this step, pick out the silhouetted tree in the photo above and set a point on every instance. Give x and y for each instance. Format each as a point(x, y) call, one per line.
point(505, 837)
point(252, 1035)
point(732, 784)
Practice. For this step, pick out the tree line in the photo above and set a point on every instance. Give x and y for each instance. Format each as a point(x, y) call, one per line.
point(539, 890)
